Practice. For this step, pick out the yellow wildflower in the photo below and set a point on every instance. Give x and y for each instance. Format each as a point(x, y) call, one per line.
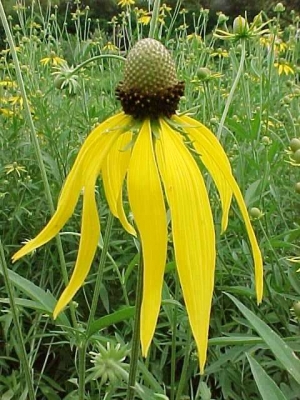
point(148, 145)
point(52, 59)
point(283, 67)
point(110, 47)
point(126, 3)
point(14, 167)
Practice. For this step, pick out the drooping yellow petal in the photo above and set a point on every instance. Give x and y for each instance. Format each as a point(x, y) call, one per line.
point(93, 150)
point(90, 232)
point(209, 145)
point(113, 173)
point(223, 187)
point(147, 204)
point(193, 231)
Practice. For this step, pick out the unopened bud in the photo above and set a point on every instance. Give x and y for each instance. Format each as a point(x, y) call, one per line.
point(240, 25)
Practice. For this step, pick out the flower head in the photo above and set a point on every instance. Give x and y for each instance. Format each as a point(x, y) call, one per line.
point(109, 365)
point(283, 67)
point(153, 149)
point(52, 59)
point(242, 30)
point(126, 3)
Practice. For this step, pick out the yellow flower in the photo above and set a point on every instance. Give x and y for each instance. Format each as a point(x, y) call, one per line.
point(52, 59)
point(16, 100)
point(6, 112)
point(273, 40)
point(110, 47)
point(194, 36)
point(242, 30)
point(144, 19)
point(152, 149)
point(125, 3)
point(283, 67)
point(14, 167)
point(7, 83)
point(220, 53)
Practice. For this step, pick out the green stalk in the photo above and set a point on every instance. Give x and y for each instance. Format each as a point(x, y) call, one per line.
point(102, 261)
point(14, 310)
point(173, 344)
point(233, 89)
point(183, 377)
point(83, 345)
point(154, 19)
point(36, 145)
point(101, 56)
point(136, 334)
point(82, 349)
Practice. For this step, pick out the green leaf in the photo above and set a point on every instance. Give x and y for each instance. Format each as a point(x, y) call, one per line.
point(266, 386)
point(111, 319)
point(281, 350)
point(45, 300)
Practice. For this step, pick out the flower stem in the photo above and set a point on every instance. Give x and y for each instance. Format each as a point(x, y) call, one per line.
point(81, 369)
point(102, 261)
point(36, 145)
point(83, 345)
point(233, 88)
point(14, 310)
point(182, 382)
point(173, 345)
point(136, 333)
point(154, 19)
point(101, 56)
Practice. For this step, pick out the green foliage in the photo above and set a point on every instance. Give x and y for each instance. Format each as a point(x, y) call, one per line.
point(253, 349)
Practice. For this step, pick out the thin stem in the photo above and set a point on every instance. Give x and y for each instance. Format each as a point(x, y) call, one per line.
point(102, 261)
point(233, 88)
point(36, 145)
point(182, 382)
point(154, 19)
point(14, 310)
point(83, 346)
point(84, 63)
point(173, 345)
point(136, 334)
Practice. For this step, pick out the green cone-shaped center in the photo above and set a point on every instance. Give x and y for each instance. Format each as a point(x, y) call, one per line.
point(150, 87)
point(149, 67)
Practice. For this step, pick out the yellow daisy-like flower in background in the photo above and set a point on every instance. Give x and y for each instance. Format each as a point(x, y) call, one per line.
point(273, 40)
point(14, 167)
point(6, 112)
point(144, 18)
point(283, 67)
point(7, 83)
point(152, 149)
point(110, 47)
point(125, 3)
point(52, 59)
point(219, 52)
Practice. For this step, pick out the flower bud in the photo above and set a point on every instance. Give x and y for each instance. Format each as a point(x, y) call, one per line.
point(296, 156)
point(295, 144)
point(255, 213)
point(222, 18)
point(296, 307)
point(279, 8)
point(203, 73)
point(297, 187)
point(240, 25)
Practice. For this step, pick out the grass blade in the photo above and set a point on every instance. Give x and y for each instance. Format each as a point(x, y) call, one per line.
point(266, 386)
point(281, 350)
